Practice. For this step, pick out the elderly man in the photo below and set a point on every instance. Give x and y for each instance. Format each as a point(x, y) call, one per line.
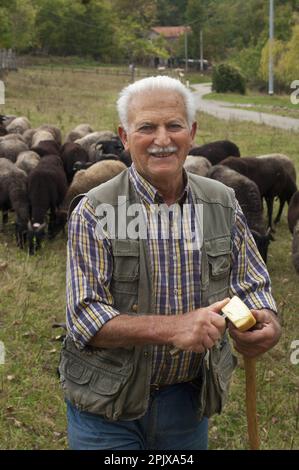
point(134, 295)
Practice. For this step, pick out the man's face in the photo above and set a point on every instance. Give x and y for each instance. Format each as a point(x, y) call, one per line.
point(159, 138)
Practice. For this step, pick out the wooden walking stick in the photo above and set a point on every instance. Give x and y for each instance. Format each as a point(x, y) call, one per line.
point(241, 317)
point(250, 376)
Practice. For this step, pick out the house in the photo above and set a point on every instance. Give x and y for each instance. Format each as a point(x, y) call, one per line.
point(171, 34)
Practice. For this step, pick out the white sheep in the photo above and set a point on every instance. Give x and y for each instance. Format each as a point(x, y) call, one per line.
point(84, 180)
point(40, 136)
point(10, 148)
point(18, 125)
point(78, 132)
point(93, 138)
point(197, 165)
point(55, 131)
point(28, 160)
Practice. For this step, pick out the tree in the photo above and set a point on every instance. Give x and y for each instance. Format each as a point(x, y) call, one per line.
point(69, 27)
point(278, 51)
point(288, 65)
point(171, 12)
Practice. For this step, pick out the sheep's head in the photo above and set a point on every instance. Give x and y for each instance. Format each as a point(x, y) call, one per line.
point(262, 242)
point(35, 234)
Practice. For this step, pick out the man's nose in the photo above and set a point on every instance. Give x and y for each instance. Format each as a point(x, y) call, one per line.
point(162, 137)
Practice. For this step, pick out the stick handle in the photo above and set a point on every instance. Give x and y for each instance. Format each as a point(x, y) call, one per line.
point(250, 375)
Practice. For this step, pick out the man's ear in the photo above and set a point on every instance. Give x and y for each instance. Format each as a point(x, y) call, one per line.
point(123, 137)
point(192, 133)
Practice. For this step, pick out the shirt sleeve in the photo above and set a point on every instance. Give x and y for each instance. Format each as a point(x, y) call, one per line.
point(89, 303)
point(249, 275)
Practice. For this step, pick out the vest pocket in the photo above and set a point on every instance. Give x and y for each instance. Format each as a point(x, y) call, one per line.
point(218, 266)
point(125, 277)
point(92, 382)
point(219, 367)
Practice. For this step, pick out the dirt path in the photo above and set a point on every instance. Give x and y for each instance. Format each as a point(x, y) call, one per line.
point(224, 110)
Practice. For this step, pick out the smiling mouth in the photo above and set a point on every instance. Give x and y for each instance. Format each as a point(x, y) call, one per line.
point(161, 155)
point(162, 152)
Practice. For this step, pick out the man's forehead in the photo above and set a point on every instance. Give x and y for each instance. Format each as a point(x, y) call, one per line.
point(148, 97)
point(156, 101)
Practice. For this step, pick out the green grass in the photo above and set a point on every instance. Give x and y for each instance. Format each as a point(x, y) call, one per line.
point(277, 104)
point(32, 289)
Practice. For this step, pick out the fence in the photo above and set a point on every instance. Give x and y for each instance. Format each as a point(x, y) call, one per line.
point(8, 60)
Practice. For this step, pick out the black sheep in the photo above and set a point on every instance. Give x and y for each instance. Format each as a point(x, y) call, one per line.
point(293, 212)
point(74, 157)
point(46, 147)
point(13, 195)
point(3, 130)
point(47, 186)
point(270, 177)
point(216, 151)
point(249, 198)
point(112, 146)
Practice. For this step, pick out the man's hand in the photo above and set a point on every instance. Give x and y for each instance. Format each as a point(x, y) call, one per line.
point(200, 329)
point(259, 339)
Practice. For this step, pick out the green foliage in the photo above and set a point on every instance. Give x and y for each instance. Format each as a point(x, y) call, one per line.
point(5, 28)
point(118, 30)
point(66, 27)
point(228, 78)
point(170, 12)
point(248, 60)
point(285, 60)
point(288, 66)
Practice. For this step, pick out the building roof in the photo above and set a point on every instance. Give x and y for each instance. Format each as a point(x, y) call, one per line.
point(171, 31)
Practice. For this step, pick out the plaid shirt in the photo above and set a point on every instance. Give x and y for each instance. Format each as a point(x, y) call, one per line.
point(176, 278)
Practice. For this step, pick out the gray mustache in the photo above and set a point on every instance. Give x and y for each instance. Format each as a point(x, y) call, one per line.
point(158, 150)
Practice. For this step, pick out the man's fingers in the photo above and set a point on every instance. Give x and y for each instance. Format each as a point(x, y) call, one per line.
point(217, 306)
point(260, 315)
point(246, 337)
point(218, 321)
point(214, 333)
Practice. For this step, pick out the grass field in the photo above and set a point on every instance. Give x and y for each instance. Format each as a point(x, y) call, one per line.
point(32, 411)
point(252, 101)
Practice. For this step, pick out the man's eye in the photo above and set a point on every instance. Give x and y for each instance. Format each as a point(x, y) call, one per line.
point(146, 129)
point(175, 126)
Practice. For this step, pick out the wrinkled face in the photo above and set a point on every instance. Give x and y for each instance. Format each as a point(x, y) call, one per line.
point(159, 137)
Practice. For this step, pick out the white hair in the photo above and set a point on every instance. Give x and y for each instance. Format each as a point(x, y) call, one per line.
point(154, 83)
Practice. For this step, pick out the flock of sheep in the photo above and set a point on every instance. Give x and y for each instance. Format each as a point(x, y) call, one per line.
point(40, 176)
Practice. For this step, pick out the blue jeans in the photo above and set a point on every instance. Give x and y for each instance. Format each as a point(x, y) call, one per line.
point(170, 423)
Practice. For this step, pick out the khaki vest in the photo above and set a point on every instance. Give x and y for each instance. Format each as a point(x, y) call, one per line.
point(115, 383)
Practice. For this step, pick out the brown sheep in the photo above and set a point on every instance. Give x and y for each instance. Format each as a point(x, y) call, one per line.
point(84, 180)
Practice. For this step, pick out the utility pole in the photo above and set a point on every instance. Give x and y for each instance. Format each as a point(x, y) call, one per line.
point(271, 42)
point(186, 49)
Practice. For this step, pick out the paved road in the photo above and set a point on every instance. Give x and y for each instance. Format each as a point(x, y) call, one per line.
point(224, 110)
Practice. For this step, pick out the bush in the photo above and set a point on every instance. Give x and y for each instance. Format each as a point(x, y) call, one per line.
point(227, 78)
